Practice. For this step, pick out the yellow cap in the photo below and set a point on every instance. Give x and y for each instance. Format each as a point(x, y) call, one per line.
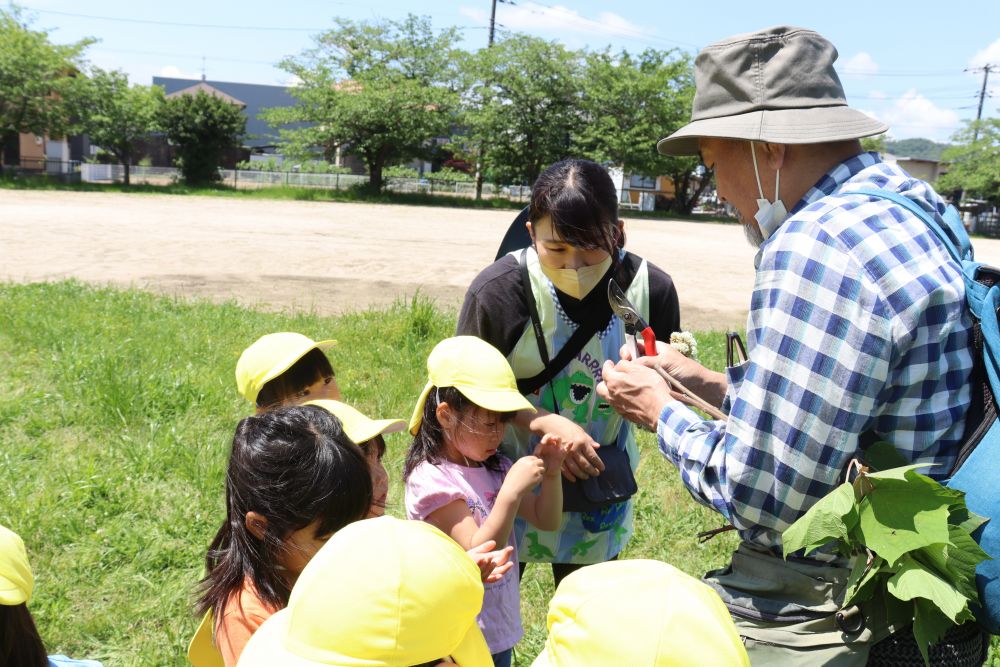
point(357, 426)
point(638, 612)
point(381, 593)
point(16, 580)
point(475, 368)
point(269, 357)
point(202, 651)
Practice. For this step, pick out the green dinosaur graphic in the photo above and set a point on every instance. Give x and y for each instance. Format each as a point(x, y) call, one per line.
point(572, 393)
point(581, 548)
point(536, 550)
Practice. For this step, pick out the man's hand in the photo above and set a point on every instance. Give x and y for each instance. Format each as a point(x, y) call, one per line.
point(709, 385)
point(636, 392)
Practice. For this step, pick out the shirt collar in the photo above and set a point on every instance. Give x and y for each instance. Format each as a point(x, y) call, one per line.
point(832, 180)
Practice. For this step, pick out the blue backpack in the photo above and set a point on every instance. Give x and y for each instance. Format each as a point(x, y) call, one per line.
point(977, 469)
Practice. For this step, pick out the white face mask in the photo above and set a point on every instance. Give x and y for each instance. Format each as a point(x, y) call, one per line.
point(578, 283)
point(769, 216)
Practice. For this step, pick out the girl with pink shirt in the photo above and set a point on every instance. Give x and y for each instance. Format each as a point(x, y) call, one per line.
point(457, 480)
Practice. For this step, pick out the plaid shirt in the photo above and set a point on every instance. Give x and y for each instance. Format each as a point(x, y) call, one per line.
point(857, 323)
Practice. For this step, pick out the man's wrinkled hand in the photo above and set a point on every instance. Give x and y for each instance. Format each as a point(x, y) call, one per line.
point(635, 391)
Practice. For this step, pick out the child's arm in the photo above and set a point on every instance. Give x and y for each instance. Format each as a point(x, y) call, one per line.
point(544, 510)
point(456, 518)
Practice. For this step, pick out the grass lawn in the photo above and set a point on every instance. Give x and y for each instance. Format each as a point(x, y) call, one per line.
point(116, 416)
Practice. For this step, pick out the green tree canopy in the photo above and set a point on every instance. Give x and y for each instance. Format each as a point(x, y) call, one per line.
point(974, 166)
point(382, 90)
point(35, 77)
point(114, 114)
point(521, 107)
point(201, 127)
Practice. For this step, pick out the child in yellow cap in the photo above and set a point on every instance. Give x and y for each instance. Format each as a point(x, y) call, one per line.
point(285, 368)
point(20, 643)
point(457, 480)
point(294, 479)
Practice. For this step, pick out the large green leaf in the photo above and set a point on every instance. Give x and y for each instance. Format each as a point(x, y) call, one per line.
point(929, 626)
point(883, 456)
point(899, 473)
point(831, 518)
point(955, 561)
point(901, 515)
point(913, 581)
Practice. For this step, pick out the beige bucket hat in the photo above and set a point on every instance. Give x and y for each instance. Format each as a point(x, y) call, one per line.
point(776, 85)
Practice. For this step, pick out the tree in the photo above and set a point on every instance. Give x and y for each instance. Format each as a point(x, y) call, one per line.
point(631, 101)
point(875, 144)
point(35, 77)
point(115, 115)
point(521, 106)
point(384, 90)
point(974, 166)
point(201, 127)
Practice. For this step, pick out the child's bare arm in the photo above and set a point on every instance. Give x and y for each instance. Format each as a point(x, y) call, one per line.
point(456, 520)
point(544, 510)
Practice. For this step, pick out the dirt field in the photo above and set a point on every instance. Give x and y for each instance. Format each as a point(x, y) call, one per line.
point(326, 256)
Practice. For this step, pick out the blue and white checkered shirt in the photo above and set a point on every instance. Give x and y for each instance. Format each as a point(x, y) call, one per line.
point(857, 323)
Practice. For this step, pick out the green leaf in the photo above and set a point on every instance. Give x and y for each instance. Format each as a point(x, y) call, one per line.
point(883, 456)
point(913, 581)
point(929, 626)
point(863, 575)
point(901, 515)
point(956, 561)
point(831, 518)
point(897, 473)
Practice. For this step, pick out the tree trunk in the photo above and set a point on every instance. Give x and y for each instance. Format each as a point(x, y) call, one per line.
point(126, 159)
point(375, 165)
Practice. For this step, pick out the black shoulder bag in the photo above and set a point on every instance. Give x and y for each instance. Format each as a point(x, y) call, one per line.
point(617, 483)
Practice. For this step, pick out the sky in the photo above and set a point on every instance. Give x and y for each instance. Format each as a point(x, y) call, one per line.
point(904, 63)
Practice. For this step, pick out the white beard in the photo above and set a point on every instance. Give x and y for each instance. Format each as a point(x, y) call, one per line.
point(754, 236)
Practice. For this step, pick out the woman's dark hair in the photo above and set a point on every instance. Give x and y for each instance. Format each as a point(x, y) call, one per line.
point(20, 643)
point(294, 466)
point(310, 369)
point(580, 198)
point(429, 440)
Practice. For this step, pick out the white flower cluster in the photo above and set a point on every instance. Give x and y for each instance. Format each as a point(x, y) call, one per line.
point(684, 343)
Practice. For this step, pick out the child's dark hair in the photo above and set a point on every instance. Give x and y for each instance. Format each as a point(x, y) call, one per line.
point(580, 198)
point(20, 643)
point(429, 440)
point(294, 466)
point(310, 369)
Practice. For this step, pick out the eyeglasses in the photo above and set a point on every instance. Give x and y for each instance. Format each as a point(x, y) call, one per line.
point(736, 353)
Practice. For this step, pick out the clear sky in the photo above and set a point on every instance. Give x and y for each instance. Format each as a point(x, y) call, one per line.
point(902, 62)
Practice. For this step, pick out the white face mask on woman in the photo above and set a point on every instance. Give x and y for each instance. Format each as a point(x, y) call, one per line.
point(577, 283)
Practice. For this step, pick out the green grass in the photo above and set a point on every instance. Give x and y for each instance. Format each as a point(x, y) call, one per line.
point(116, 415)
point(314, 194)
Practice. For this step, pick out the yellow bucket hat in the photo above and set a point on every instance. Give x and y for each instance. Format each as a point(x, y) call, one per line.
point(475, 368)
point(381, 593)
point(357, 426)
point(16, 580)
point(269, 357)
point(638, 612)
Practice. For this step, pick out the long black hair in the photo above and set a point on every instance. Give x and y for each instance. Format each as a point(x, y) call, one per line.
point(294, 466)
point(20, 643)
point(580, 198)
point(429, 440)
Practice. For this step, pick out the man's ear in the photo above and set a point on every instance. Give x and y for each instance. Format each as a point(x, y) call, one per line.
point(774, 155)
point(446, 416)
point(257, 524)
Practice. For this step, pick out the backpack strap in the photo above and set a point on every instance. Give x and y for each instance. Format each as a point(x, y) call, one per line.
point(954, 237)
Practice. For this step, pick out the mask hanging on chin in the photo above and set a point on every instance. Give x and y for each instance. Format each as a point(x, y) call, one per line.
point(769, 215)
point(577, 283)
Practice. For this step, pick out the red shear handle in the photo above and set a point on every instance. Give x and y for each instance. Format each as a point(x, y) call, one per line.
point(649, 342)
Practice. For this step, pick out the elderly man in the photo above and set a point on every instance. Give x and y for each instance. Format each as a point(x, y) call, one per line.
point(857, 332)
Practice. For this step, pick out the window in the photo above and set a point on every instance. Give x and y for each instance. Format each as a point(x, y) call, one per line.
point(642, 182)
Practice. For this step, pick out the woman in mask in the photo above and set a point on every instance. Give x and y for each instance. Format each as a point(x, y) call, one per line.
point(546, 309)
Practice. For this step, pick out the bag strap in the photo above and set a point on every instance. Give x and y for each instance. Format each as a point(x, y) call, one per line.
point(583, 333)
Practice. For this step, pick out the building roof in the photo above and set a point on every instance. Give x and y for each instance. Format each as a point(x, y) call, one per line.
point(203, 87)
point(255, 98)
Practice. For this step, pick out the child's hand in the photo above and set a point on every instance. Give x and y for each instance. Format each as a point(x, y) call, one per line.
point(492, 564)
point(552, 450)
point(523, 476)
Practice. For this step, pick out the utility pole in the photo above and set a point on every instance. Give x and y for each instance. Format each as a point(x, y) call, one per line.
point(982, 95)
point(479, 156)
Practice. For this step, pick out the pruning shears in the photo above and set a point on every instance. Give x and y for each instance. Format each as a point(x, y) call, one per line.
point(635, 326)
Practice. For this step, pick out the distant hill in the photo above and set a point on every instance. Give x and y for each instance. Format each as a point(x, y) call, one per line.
point(918, 148)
